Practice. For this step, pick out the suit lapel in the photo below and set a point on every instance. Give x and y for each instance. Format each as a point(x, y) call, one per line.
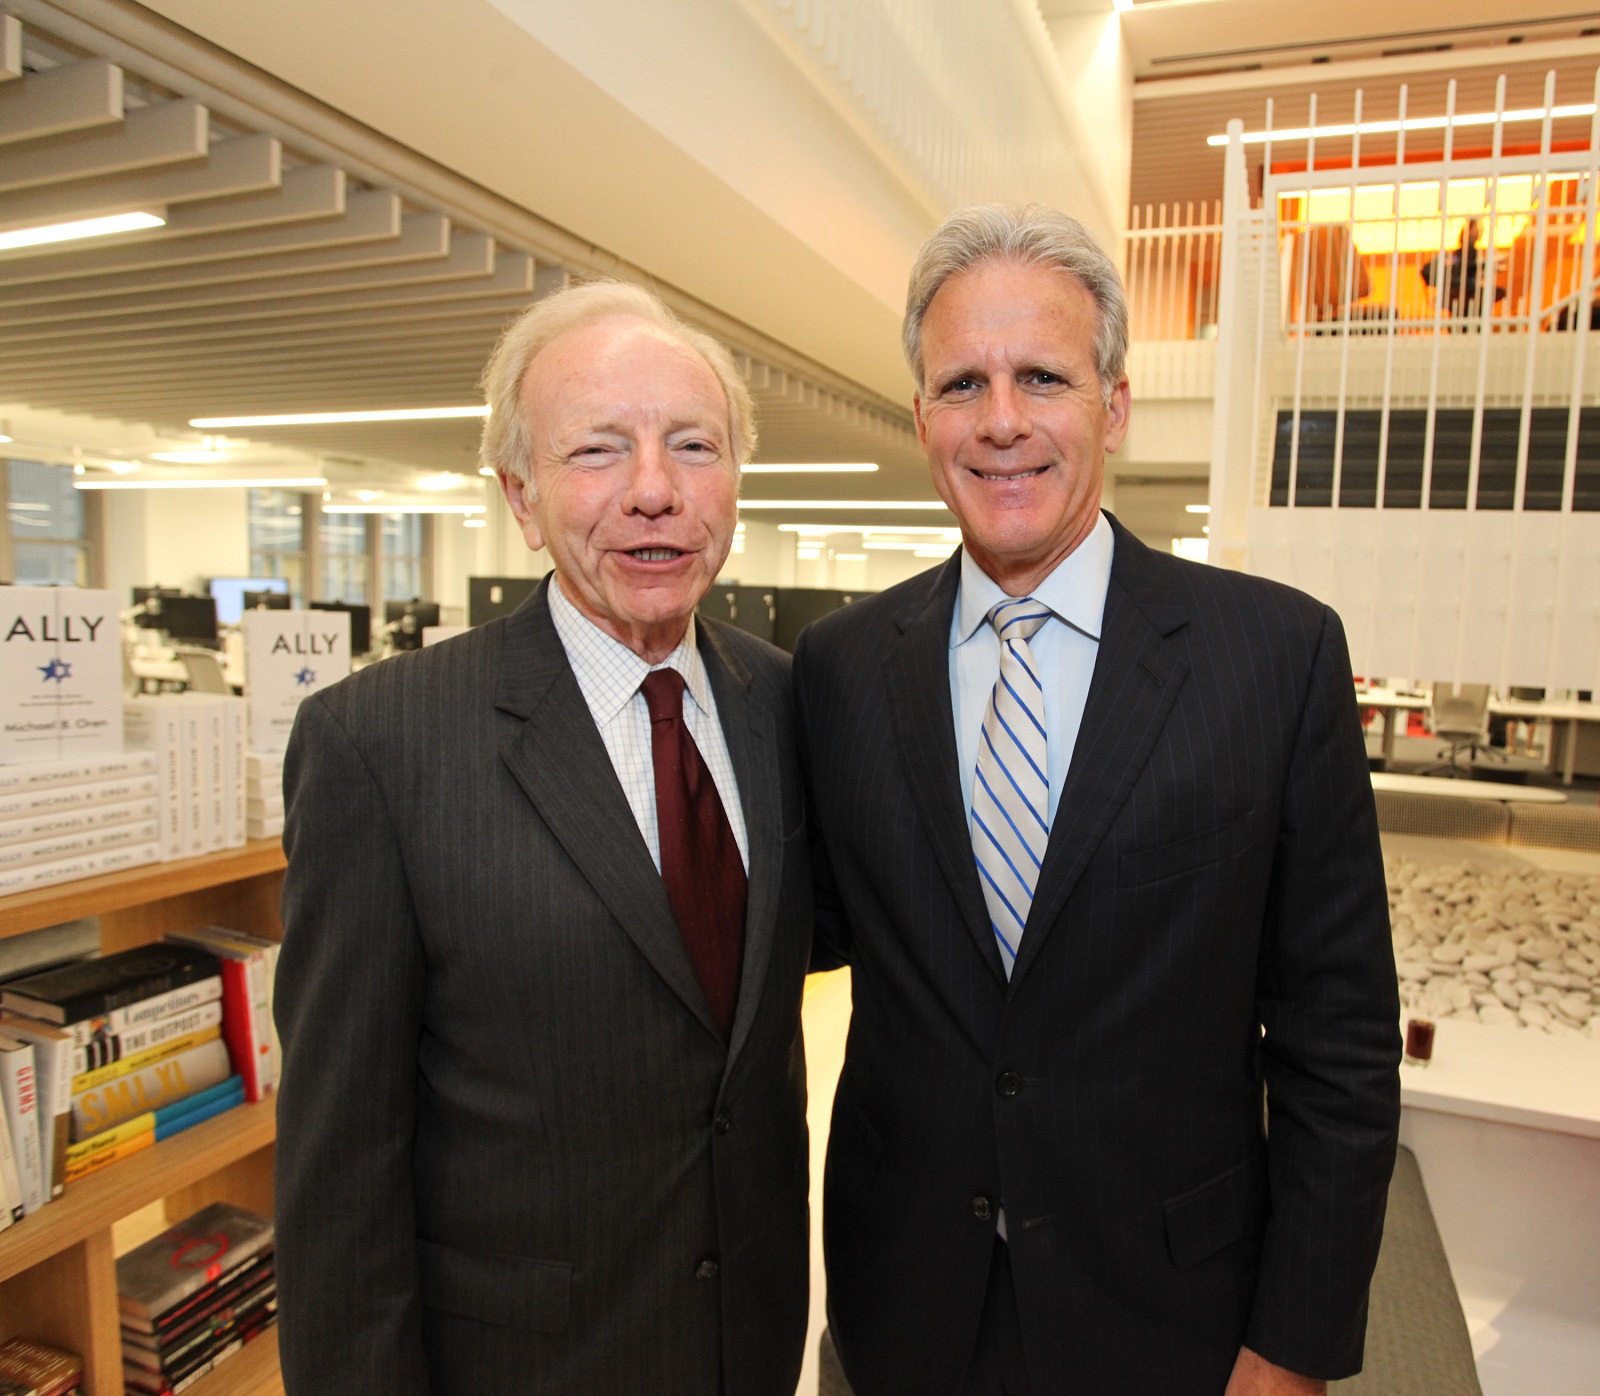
point(1137, 675)
point(918, 677)
point(750, 732)
point(561, 763)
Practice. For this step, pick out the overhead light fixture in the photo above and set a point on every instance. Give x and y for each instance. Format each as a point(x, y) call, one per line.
point(1197, 508)
point(82, 228)
point(486, 470)
point(1121, 6)
point(1412, 123)
point(397, 508)
point(841, 504)
point(836, 468)
point(475, 522)
point(4, 439)
point(307, 483)
point(808, 554)
point(365, 496)
point(320, 419)
point(446, 480)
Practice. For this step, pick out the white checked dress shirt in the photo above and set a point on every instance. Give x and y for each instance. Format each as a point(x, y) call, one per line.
point(609, 675)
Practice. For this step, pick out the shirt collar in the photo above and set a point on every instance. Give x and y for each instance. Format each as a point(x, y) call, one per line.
point(1075, 592)
point(608, 672)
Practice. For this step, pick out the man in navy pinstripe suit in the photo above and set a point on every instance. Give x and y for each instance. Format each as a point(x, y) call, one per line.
point(1100, 850)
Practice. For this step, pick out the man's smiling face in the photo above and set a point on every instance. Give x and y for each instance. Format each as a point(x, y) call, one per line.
point(1012, 415)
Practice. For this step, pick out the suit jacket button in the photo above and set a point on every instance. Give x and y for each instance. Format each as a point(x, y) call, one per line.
point(723, 1122)
point(1009, 1083)
point(706, 1269)
point(980, 1208)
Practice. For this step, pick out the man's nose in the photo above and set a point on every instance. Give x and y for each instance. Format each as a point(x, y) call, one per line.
point(653, 483)
point(1005, 418)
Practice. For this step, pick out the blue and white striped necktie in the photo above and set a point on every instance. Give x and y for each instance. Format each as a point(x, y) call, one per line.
point(1011, 794)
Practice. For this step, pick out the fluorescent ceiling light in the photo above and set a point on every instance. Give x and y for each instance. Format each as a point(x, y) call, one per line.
point(447, 480)
point(402, 508)
point(4, 439)
point(308, 483)
point(83, 228)
point(319, 419)
point(486, 470)
point(1197, 508)
point(838, 468)
point(1414, 123)
point(841, 504)
point(475, 523)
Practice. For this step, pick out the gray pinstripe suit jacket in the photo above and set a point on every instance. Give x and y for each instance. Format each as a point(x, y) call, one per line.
point(1213, 870)
point(509, 1135)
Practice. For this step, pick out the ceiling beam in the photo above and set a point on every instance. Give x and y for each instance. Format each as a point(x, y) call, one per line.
point(167, 134)
point(310, 191)
point(10, 48)
point(72, 97)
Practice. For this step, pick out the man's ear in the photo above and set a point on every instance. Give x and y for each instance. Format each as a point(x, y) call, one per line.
point(516, 492)
point(916, 412)
point(1118, 410)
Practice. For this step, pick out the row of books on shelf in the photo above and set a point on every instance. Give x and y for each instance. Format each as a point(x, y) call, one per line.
point(184, 785)
point(102, 1057)
point(28, 1368)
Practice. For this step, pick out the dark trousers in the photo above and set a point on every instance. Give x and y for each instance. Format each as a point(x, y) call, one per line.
point(998, 1367)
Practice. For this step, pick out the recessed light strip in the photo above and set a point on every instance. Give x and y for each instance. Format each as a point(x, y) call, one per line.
point(319, 419)
point(315, 482)
point(1414, 123)
point(82, 228)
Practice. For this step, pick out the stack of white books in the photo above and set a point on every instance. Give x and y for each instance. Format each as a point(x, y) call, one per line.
point(62, 820)
point(265, 802)
point(197, 741)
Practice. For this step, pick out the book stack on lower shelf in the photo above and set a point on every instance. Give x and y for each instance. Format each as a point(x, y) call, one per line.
point(193, 1296)
point(32, 1369)
point(264, 808)
point(62, 820)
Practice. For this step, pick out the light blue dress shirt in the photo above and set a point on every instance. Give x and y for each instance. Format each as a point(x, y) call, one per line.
point(1065, 649)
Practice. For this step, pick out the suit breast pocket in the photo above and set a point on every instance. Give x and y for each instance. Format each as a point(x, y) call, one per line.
point(1136, 867)
point(506, 1290)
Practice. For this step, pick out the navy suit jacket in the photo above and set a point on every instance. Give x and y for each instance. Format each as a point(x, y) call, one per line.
point(1210, 923)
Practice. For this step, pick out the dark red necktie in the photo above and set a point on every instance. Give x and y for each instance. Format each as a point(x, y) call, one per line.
point(700, 862)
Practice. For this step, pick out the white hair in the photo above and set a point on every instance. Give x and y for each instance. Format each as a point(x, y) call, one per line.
point(1028, 233)
point(506, 441)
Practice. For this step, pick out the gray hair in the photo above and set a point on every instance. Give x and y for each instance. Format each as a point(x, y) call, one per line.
point(506, 444)
point(1028, 233)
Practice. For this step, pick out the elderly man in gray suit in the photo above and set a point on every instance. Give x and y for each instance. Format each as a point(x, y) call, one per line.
point(546, 924)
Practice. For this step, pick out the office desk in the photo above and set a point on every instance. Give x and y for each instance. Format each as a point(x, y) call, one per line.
point(1388, 701)
point(1573, 714)
point(1455, 789)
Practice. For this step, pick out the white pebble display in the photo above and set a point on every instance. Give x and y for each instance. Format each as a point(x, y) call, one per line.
point(1508, 946)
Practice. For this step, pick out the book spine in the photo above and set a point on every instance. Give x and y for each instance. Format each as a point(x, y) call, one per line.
point(10, 1179)
point(110, 996)
point(147, 1010)
point(19, 1088)
point(238, 1026)
point(52, 850)
point(52, 1064)
point(71, 869)
point(117, 1047)
point(35, 775)
point(94, 1162)
point(80, 1153)
point(234, 715)
point(46, 826)
point(30, 804)
point(161, 1084)
point(165, 1129)
point(149, 1057)
point(194, 779)
point(213, 726)
point(153, 723)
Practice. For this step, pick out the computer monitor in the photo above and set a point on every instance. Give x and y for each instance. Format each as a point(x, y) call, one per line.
point(409, 619)
point(190, 619)
point(360, 622)
point(265, 601)
point(143, 594)
point(229, 594)
point(489, 598)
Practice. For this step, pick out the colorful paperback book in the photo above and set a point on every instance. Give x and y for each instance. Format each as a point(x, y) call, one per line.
point(152, 1127)
point(52, 1064)
point(60, 674)
point(19, 1089)
point(249, 969)
point(77, 821)
point(116, 1047)
point(88, 1080)
point(51, 850)
point(107, 860)
point(78, 991)
point(162, 1083)
point(85, 770)
point(53, 799)
point(147, 1011)
point(200, 1250)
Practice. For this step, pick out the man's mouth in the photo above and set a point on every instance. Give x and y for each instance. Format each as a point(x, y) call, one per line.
point(1011, 475)
point(655, 554)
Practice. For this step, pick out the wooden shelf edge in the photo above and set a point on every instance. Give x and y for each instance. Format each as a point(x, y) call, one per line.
point(252, 1371)
point(90, 896)
point(93, 1203)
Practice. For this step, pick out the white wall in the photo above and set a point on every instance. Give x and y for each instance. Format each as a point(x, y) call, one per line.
point(174, 537)
point(1097, 71)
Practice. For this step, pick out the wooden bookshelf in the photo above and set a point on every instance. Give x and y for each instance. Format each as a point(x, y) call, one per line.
point(57, 1267)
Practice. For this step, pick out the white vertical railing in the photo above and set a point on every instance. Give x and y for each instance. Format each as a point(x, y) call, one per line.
point(1172, 258)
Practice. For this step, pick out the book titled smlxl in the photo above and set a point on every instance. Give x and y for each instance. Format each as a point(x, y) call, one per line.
point(89, 987)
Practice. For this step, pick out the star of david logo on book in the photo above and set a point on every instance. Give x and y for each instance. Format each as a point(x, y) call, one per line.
point(306, 677)
point(57, 669)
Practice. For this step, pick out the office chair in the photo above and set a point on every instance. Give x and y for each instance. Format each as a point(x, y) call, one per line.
point(1460, 716)
point(205, 670)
